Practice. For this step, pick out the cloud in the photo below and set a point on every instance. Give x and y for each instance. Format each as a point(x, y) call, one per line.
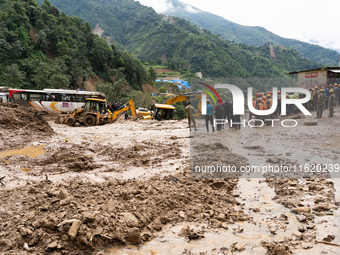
point(159, 6)
point(190, 9)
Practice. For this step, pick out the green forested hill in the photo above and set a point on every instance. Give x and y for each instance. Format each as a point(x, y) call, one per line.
point(41, 47)
point(150, 36)
point(248, 34)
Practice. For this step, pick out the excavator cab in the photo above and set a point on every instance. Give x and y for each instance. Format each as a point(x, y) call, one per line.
point(163, 112)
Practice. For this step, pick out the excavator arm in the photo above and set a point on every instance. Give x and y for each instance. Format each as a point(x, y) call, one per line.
point(129, 105)
point(186, 97)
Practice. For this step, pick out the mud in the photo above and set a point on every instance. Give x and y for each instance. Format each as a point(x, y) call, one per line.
point(19, 126)
point(126, 188)
point(107, 214)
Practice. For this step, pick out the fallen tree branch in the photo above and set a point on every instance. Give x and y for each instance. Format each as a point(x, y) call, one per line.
point(324, 242)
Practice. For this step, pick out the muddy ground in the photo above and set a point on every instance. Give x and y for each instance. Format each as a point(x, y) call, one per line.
point(127, 188)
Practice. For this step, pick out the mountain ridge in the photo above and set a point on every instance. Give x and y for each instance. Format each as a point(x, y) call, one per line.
point(250, 35)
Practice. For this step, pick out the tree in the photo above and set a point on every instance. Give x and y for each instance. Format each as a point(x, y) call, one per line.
point(162, 90)
point(152, 75)
point(58, 79)
point(15, 77)
point(140, 99)
point(41, 78)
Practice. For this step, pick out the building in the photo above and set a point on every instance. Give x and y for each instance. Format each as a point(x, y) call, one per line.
point(199, 75)
point(316, 77)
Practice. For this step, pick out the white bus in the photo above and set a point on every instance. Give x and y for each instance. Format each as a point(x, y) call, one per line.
point(53, 100)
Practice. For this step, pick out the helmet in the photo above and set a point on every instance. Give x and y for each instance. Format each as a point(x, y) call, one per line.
point(312, 89)
point(269, 95)
point(279, 92)
point(316, 87)
point(321, 90)
point(264, 98)
point(262, 94)
point(335, 84)
point(252, 97)
point(331, 91)
point(257, 94)
point(303, 87)
point(330, 85)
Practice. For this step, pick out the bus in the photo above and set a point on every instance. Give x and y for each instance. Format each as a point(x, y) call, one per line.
point(53, 100)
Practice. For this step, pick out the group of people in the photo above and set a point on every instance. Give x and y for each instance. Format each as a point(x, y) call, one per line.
point(326, 97)
point(114, 106)
point(222, 112)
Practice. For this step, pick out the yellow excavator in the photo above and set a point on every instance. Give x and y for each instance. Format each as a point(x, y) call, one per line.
point(95, 112)
point(187, 97)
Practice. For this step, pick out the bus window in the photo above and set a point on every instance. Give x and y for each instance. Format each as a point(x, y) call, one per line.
point(79, 98)
point(19, 96)
point(65, 98)
point(36, 97)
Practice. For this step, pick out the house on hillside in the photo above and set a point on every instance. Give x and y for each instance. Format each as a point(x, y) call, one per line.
point(316, 77)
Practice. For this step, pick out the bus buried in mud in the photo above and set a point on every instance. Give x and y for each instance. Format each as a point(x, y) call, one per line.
point(52, 100)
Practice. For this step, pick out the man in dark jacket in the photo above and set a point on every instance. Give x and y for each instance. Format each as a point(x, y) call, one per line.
point(219, 115)
point(227, 111)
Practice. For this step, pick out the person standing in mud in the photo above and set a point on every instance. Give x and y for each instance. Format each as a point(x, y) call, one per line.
point(190, 110)
point(321, 98)
point(227, 111)
point(332, 101)
point(219, 115)
point(209, 117)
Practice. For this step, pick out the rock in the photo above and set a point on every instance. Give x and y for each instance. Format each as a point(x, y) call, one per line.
point(329, 238)
point(130, 220)
point(88, 217)
point(181, 214)
point(310, 226)
point(173, 137)
point(26, 247)
point(307, 245)
point(157, 225)
point(292, 202)
point(321, 207)
point(191, 233)
point(273, 160)
point(74, 229)
point(224, 225)
point(319, 199)
point(133, 236)
point(64, 237)
point(36, 224)
point(111, 205)
point(221, 217)
point(146, 236)
point(198, 210)
point(310, 123)
point(301, 210)
point(23, 231)
point(49, 222)
point(63, 194)
point(239, 247)
point(217, 183)
point(53, 245)
point(216, 223)
point(301, 217)
point(301, 229)
point(64, 197)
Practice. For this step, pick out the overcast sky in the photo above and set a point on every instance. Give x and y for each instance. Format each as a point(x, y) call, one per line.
point(305, 20)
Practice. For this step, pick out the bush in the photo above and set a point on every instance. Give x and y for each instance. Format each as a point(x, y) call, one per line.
point(162, 90)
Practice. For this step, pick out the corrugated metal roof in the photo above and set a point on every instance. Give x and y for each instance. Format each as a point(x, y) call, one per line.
point(318, 69)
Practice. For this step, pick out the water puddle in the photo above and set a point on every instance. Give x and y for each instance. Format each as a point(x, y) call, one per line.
point(28, 151)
